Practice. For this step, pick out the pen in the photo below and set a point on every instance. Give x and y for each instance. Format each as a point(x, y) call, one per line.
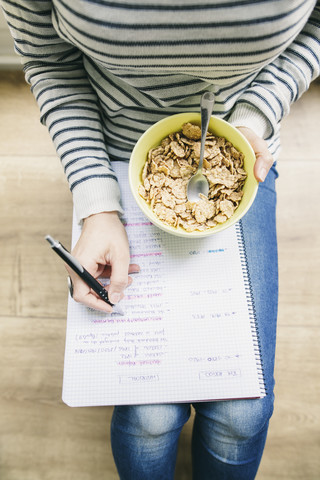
point(81, 271)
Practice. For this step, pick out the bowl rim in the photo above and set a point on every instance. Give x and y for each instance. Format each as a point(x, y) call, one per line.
point(145, 207)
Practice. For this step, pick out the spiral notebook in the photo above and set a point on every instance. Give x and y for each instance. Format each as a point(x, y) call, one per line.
point(189, 331)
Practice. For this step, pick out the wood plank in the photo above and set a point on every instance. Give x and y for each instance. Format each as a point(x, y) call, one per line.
point(49, 443)
point(299, 242)
point(34, 201)
point(292, 449)
point(43, 439)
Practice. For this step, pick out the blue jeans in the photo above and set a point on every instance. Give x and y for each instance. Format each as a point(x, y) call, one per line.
point(228, 436)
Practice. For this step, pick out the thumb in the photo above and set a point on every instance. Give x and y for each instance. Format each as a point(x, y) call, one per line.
point(264, 162)
point(118, 279)
point(264, 159)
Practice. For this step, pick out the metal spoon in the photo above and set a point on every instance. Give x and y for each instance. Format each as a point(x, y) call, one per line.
point(198, 183)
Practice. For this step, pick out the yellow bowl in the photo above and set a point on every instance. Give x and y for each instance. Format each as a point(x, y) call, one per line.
point(152, 138)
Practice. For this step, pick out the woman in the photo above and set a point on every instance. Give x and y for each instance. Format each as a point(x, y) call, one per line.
point(102, 72)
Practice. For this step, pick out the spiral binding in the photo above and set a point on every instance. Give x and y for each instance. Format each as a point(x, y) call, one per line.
point(251, 307)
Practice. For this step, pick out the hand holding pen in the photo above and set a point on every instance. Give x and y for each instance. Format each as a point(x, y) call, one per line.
point(102, 250)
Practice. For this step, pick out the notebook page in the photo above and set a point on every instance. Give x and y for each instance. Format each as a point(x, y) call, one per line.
point(187, 333)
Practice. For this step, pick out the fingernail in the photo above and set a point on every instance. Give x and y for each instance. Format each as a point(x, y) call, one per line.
point(262, 173)
point(115, 297)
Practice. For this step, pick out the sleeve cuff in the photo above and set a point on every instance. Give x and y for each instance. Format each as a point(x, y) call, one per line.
point(96, 196)
point(245, 115)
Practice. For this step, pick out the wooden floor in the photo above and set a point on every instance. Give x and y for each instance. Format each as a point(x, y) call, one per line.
point(41, 438)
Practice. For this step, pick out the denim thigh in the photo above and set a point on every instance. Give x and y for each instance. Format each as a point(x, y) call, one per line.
point(232, 431)
point(224, 425)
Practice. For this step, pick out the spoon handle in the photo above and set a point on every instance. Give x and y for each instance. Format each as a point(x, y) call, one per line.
point(207, 102)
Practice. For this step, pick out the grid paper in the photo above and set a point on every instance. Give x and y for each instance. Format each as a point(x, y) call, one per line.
point(187, 334)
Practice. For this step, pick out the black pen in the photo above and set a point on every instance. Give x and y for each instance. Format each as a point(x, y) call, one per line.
point(82, 272)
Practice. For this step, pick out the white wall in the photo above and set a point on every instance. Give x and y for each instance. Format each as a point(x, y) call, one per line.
point(8, 58)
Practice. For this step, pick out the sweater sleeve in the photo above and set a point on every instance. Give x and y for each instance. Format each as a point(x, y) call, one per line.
point(267, 100)
point(68, 105)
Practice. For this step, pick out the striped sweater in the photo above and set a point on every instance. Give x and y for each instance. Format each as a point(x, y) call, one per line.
point(103, 71)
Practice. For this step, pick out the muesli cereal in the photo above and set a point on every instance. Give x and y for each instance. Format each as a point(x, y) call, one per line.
point(169, 167)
